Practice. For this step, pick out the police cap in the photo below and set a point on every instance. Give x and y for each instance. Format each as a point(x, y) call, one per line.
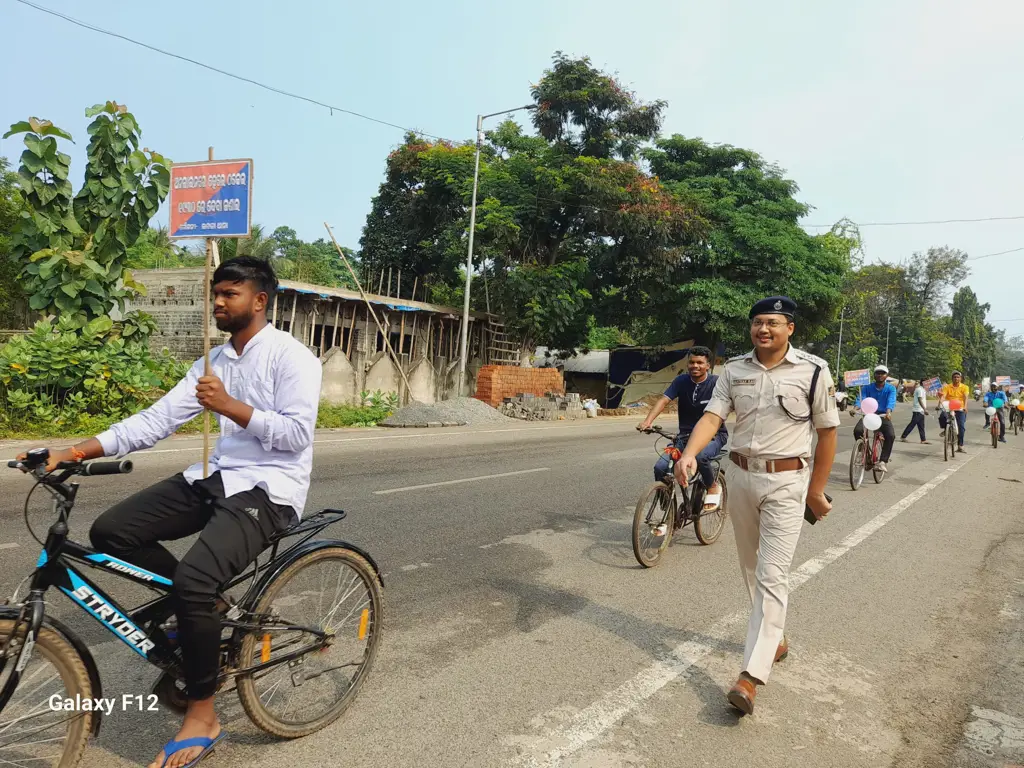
point(774, 305)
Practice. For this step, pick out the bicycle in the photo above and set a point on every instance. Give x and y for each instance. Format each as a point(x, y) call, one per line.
point(950, 435)
point(861, 460)
point(658, 505)
point(295, 673)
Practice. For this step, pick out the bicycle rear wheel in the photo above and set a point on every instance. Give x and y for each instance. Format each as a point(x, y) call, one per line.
point(31, 733)
point(857, 463)
point(995, 435)
point(653, 522)
point(708, 525)
point(336, 591)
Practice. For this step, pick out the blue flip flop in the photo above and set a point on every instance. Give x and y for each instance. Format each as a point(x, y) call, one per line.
point(172, 747)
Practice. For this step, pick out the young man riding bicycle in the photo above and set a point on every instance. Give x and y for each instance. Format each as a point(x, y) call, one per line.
point(885, 393)
point(692, 390)
point(993, 396)
point(956, 391)
point(265, 387)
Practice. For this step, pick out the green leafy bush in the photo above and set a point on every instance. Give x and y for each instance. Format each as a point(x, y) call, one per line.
point(70, 379)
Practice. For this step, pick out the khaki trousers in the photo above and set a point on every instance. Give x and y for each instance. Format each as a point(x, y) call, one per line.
point(767, 512)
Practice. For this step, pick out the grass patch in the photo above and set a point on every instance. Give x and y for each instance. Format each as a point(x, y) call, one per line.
point(329, 417)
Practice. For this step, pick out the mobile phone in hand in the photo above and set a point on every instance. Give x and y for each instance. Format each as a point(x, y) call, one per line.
point(809, 515)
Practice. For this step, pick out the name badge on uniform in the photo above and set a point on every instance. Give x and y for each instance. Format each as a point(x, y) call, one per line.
point(744, 382)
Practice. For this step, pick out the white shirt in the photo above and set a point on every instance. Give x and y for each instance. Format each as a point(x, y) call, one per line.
point(280, 379)
point(920, 399)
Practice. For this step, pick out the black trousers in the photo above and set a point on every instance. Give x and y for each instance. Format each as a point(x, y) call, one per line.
point(888, 433)
point(916, 420)
point(232, 533)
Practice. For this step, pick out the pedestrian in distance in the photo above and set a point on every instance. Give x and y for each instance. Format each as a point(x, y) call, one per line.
point(919, 411)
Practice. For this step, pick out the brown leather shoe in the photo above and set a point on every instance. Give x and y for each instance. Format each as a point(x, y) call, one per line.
point(782, 651)
point(742, 694)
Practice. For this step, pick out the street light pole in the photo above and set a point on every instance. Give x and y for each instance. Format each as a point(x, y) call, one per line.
point(464, 335)
point(888, 322)
point(839, 351)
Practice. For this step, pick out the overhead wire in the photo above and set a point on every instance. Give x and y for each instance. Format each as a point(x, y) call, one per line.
point(333, 108)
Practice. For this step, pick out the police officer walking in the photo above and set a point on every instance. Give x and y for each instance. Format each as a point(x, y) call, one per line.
point(781, 396)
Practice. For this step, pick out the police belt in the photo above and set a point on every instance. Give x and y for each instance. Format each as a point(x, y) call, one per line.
point(767, 466)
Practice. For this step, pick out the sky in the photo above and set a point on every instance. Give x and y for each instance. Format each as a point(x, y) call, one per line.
point(881, 110)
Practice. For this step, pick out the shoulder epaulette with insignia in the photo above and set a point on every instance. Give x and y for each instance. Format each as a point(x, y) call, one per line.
point(811, 358)
point(734, 359)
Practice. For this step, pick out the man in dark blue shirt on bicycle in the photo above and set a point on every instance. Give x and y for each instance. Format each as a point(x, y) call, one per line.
point(692, 390)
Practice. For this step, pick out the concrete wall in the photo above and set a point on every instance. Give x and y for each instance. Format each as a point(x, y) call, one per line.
point(175, 300)
point(340, 382)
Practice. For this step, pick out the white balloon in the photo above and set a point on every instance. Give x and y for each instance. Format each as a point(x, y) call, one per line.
point(990, 411)
point(872, 421)
point(1015, 402)
point(945, 405)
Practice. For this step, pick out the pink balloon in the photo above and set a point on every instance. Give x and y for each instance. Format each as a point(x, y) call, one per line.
point(869, 405)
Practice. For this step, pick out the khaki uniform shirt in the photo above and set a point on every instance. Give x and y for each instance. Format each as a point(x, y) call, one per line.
point(763, 429)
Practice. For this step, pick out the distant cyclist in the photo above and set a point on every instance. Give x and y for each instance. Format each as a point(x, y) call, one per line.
point(693, 391)
point(956, 391)
point(992, 397)
point(885, 393)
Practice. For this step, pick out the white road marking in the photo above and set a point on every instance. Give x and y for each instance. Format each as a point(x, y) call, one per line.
point(10, 545)
point(434, 432)
point(463, 480)
point(592, 721)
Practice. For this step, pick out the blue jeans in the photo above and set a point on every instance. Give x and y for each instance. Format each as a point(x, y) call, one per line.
point(704, 466)
point(961, 425)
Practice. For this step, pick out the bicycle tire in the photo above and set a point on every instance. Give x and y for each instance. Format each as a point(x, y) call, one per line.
point(947, 441)
point(249, 653)
point(65, 659)
point(995, 435)
point(856, 478)
point(876, 453)
point(709, 525)
point(641, 520)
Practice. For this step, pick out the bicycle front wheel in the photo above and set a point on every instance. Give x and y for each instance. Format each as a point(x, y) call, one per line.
point(708, 525)
point(876, 456)
point(947, 442)
point(857, 463)
point(653, 521)
point(31, 733)
point(334, 590)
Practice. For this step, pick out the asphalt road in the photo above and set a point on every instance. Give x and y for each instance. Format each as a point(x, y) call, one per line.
point(520, 631)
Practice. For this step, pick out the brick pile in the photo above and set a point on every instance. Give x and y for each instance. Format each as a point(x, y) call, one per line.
point(497, 382)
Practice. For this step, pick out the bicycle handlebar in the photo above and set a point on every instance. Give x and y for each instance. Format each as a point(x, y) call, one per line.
point(92, 469)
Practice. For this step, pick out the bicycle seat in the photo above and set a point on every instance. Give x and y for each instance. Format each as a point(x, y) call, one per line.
point(319, 521)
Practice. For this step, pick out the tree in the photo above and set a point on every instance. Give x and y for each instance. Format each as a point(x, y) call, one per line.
point(256, 244)
point(72, 250)
point(564, 218)
point(155, 250)
point(12, 298)
point(317, 262)
point(754, 246)
point(978, 339)
point(933, 274)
